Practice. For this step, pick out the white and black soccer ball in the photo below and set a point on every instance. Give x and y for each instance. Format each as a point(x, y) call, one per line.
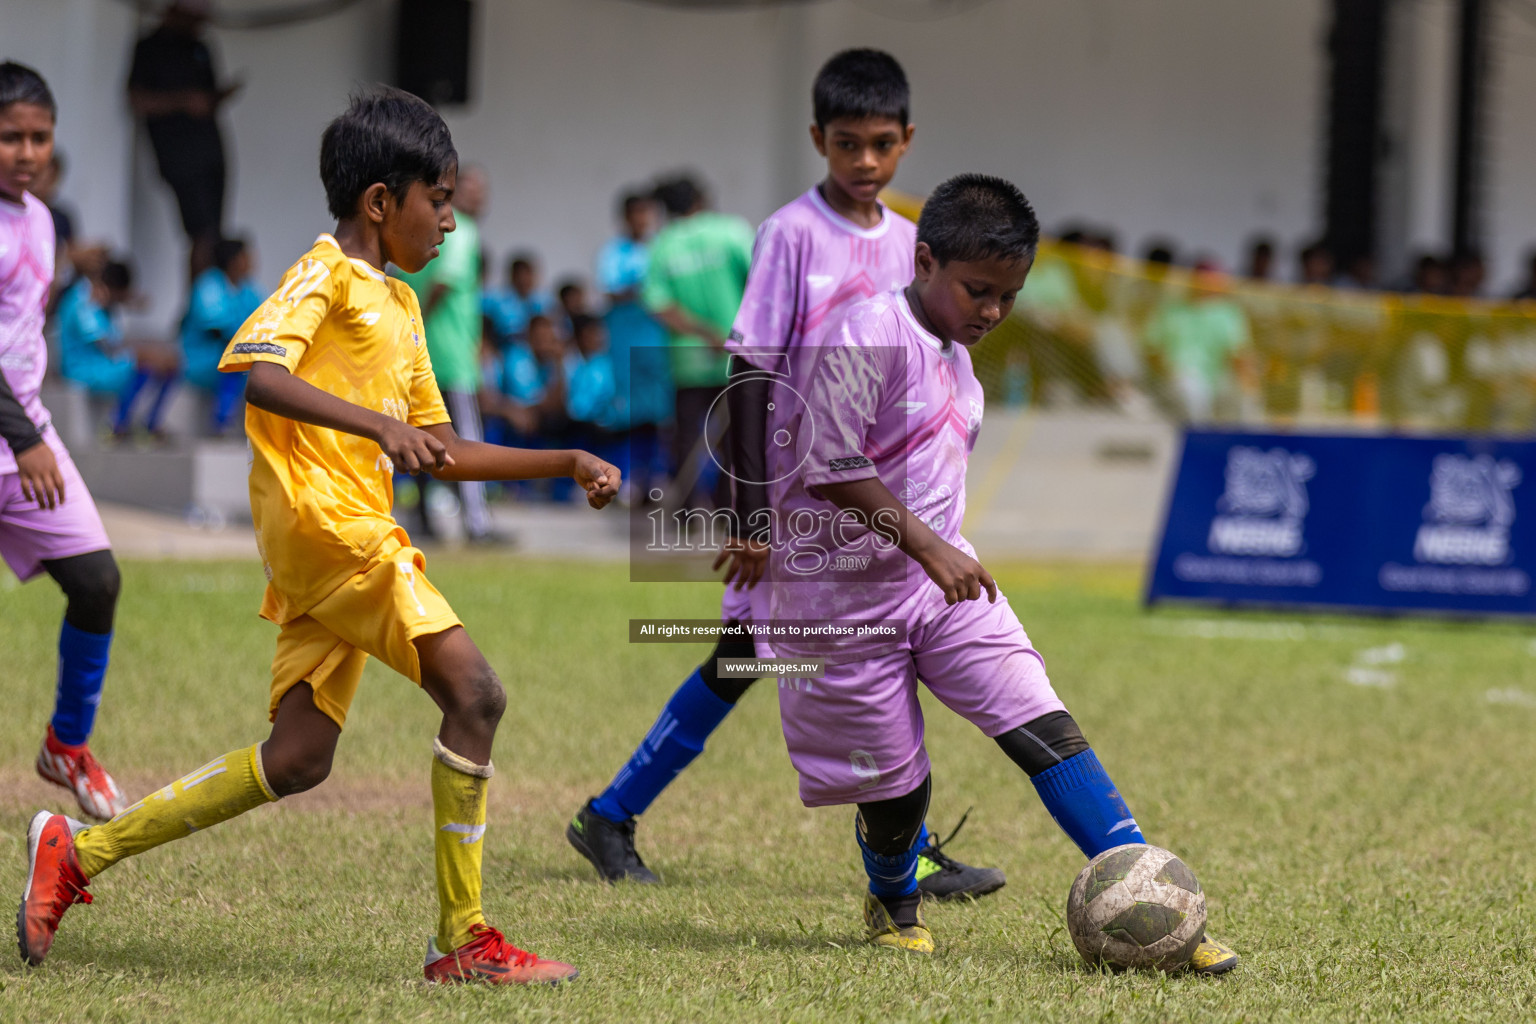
point(1136, 906)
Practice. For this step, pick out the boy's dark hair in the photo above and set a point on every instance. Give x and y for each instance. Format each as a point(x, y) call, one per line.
point(521, 260)
point(861, 84)
point(583, 322)
point(227, 251)
point(116, 275)
point(538, 320)
point(976, 216)
point(629, 200)
point(20, 84)
point(388, 136)
point(679, 195)
point(567, 286)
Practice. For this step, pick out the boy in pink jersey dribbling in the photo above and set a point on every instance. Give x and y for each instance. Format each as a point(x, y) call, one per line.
point(48, 522)
point(832, 246)
point(895, 410)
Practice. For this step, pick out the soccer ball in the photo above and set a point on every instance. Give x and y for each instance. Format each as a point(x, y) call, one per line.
point(1136, 906)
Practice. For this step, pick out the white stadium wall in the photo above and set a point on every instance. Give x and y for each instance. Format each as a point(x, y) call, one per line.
point(1198, 119)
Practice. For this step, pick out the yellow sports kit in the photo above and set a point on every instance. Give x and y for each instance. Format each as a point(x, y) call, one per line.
point(343, 581)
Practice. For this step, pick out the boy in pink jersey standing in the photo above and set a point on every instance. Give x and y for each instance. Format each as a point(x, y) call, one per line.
point(832, 246)
point(896, 410)
point(48, 522)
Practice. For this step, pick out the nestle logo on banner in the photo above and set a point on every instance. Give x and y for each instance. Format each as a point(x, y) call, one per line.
point(1469, 513)
point(1265, 505)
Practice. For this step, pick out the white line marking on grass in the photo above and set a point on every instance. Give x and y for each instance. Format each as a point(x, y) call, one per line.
point(1391, 654)
point(1221, 629)
point(1357, 675)
point(1519, 698)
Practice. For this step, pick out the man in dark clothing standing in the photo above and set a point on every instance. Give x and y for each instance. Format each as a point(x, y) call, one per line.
point(173, 86)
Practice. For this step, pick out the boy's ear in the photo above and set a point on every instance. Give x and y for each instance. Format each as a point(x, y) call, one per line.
point(376, 198)
point(906, 138)
point(819, 139)
point(923, 263)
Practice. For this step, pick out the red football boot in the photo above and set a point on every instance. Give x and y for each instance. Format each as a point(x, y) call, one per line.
point(77, 770)
point(490, 959)
point(54, 883)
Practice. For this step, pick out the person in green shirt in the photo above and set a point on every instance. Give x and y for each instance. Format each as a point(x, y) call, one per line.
point(694, 284)
point(449, 292)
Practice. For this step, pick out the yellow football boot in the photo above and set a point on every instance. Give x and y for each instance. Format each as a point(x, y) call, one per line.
point(883, 931)
point(1211, 957)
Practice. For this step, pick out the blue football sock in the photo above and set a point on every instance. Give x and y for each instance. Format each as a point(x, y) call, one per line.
point(890, 877)
point(1085, 803)
point(673, 742)
point(82, 667)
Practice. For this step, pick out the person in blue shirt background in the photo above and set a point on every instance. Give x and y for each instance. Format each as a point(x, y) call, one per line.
point(223, 297)
point(93, 354)
point(637, 344)
point(598, 417)
point(508, 310)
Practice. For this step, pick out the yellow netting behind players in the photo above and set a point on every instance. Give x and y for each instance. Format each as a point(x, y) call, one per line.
point(1094, 328)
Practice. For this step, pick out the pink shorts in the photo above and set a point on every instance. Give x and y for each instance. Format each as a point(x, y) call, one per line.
point(744, 605)
point(30, 535)
point(856, 733)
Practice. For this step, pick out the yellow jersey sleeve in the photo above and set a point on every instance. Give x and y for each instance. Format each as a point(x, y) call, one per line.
point(282, 328)
point(427, 406)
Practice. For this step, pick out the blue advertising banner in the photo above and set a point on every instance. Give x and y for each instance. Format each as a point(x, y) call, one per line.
point(1423, 524)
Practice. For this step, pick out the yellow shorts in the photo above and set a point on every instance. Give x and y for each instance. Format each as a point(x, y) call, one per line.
point(380, 611)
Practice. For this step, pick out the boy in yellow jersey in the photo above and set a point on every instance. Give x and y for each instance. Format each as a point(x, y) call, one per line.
point(341, 394)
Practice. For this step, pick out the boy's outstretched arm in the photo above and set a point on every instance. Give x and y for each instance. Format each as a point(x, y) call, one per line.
point(271, 387)
point(960, 576)
point(476, 460)
point(435, 449)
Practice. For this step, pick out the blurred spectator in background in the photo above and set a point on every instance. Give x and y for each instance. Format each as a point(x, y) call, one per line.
point(72, 256)
point(1359, 275)
point(591, 396)
point(1197, 338)
point(694, 284)
point(1058, 345)
point(1527, 290)
point(222, 298)
point(174, 87)
point(1261, 259)
point(1315, 265)
point(1429, 277)
point(93, 354)
point(1159, 251)
point(508, 310)
point(572, 297)
point(532, 391)
point(636, 343)
point(1468, 273)
point(448, 289)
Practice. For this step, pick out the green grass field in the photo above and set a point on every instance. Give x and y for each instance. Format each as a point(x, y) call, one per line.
point(1356, 796)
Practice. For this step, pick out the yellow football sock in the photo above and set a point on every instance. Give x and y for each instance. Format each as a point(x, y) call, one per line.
point(216, 792)
point(458, 811)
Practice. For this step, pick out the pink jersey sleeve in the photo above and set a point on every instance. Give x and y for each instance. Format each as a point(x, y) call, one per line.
point(858, 371)
point(766, 322)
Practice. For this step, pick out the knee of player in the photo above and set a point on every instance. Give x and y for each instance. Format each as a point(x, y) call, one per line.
point(91, 584)
point(290, 775)
point(480, 695)
point(1043, 743)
